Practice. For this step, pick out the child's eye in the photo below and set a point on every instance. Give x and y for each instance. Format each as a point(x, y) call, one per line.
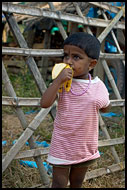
point(65, 56)
point(76, 57)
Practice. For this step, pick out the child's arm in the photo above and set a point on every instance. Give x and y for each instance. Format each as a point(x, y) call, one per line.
point(50, 94)
point(104, 110)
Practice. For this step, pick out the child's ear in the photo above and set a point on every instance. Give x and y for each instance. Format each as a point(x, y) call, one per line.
point(93, 63)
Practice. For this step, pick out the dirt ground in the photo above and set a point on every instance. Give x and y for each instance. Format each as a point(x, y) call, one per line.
point(17, 176)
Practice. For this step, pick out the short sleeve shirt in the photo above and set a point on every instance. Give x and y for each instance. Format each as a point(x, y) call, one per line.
point(75, 134)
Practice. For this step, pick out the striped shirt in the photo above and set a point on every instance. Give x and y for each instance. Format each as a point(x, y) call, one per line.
point(75, 134)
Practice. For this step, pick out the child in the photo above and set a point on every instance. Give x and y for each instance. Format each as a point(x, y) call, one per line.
point(74, 144)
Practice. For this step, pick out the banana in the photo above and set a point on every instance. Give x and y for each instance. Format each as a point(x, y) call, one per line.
point(57, 69)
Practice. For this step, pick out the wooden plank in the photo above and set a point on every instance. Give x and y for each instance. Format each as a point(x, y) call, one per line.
point(27, 134)
point(118, 102)
point(30, 60)
point(20, 101)
point(106, 6)
point(23, 138)
point(114, 37)
point(21, 9)
point(104, 129)
point(111, 142)
point(31, 153)
point(51, 53)
point(45, 151)
point(58, 23)
point(102, 171)
point(111, 25)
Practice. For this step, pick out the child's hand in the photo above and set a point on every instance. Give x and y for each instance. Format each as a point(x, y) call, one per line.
point(65, 75)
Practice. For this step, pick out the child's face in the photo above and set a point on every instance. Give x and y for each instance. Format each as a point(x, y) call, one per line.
point(78, 60)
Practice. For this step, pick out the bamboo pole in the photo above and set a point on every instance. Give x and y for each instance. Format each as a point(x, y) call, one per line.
point(106, 6)
point(30, 60)
point(22, 43)
point(37, 12)
point(21, 101)
point(114, 37)
point(45, 151)
point(104, 129)
point(13, 151)
point(111, 25)
point(59, 24)
point(50, 53)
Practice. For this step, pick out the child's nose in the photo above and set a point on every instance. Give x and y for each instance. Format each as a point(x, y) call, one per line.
point(69, 61)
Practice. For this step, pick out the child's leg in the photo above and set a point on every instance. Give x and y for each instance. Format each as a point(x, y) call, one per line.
point(60, 177)
point(77, 176)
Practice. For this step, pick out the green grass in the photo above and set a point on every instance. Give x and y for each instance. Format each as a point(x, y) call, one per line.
point(24, 86)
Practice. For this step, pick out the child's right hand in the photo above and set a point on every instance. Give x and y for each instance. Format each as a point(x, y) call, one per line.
point(65, 75)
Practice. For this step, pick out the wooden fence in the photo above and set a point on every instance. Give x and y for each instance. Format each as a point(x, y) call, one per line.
point(17, 102)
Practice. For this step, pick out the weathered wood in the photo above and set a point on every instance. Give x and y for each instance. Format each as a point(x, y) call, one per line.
point(117, 102)
point(104, 129)
point(111, 25)
point(27, 135)
point(102, 171)
point(111, 142)
point(45, 151)
point(106, 6)
point(23, 138)
point(112, 82)
point(114, 37)
point(20, 9)
point(51, 53)
point(20, 101)
point(59, 24)
point(30, 61)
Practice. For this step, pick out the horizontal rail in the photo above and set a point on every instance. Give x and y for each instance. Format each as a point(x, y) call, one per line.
point(106, 6)
point(29, 102)
point(38, 12)
point(45, 151)
point(103, 171)
point(50, 53)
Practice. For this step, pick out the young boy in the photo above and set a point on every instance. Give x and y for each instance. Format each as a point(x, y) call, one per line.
point(74, 144)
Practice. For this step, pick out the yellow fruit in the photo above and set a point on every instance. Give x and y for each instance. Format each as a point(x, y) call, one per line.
point(57, 69)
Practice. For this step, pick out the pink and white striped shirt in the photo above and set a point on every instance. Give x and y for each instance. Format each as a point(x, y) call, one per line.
point(75, 134)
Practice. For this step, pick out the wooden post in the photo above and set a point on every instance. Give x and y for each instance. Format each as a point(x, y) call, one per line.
point(114, 37)
point(104, 129)
point(30, 61)
point(12, 153)
point(111, 25)
point(37, 12)
point(59, 24)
